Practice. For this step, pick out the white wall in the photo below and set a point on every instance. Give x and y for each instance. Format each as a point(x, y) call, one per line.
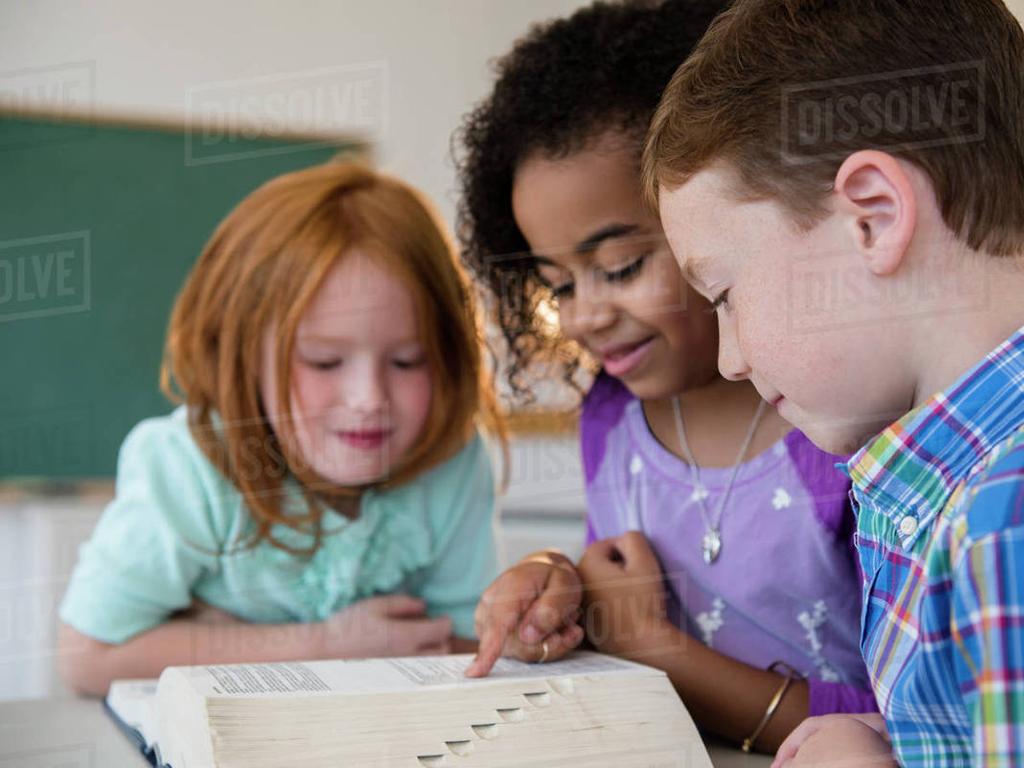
point(39, 541)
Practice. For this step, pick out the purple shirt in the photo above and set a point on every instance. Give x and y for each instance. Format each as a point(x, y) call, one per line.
point(785, 586)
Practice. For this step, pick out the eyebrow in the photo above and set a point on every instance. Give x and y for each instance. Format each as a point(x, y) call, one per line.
point(609, 232)
point(593, 240)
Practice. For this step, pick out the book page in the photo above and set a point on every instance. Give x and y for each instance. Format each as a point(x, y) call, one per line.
point(281, 678)
point(134, 701)
point(314, 678)
point(450, 670)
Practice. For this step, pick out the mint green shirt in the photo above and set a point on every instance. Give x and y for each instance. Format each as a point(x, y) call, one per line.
point(175, 529)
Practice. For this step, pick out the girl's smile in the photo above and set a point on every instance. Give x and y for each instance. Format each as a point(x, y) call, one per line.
point(365, 439)
point(623, 359)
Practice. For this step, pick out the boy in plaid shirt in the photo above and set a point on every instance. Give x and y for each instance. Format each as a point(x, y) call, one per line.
point(845, 181)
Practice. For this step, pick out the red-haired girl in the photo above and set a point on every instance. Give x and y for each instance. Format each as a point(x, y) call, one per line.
point(323, 489)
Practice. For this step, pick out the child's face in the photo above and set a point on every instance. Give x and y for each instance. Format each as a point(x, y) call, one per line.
point(619, 291)
point(361, 385)
point(835, 379)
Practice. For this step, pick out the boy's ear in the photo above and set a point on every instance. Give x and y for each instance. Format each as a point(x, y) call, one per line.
point(875, 193)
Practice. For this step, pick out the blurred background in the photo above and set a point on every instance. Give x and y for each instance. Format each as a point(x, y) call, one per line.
point(127, 130)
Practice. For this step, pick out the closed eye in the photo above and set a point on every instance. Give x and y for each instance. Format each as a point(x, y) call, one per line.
point(563, 291)
point(559, 291)
point(722, 300)
point(628, 272)
point(323, 365)
point(623, 275)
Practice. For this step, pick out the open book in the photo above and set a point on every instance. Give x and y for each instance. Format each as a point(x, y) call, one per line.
point(414, 712)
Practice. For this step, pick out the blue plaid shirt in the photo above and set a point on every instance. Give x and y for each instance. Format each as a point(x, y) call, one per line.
point(940, 531)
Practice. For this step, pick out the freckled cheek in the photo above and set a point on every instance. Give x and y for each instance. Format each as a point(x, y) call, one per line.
point(756, 330)
point(314, 393)
point(411, 399)
point(793, 365)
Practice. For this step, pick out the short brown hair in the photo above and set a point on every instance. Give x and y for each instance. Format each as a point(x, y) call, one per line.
point(764, 66)
point(260, 271)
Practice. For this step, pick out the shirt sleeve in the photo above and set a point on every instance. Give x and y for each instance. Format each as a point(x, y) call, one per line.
point(833, 698)
point(465, 560)
point(602, 410)
point(826, 698)
point(152, 542)
point(988, 614)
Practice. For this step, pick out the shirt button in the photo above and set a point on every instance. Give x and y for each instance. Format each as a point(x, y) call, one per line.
point(636, 465)
point(908, 526)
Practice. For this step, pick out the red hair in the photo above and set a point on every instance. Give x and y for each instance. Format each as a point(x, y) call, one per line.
point(259, 271)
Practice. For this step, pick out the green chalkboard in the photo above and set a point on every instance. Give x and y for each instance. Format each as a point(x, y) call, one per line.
point(99, 224)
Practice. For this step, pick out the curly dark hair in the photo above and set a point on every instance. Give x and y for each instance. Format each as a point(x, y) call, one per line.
point(566, 82)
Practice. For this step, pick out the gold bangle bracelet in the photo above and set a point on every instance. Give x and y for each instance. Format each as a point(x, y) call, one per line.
point(549, 559)
point(748, 743)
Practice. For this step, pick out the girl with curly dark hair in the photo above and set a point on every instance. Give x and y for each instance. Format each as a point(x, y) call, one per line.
point(720, 538)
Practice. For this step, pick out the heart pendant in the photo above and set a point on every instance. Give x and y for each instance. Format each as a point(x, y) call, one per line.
point(711, 545)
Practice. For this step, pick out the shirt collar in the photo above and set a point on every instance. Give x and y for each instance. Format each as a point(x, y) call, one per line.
point(909, 471)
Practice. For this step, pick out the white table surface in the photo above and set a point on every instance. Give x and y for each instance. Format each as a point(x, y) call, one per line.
point(77, 733)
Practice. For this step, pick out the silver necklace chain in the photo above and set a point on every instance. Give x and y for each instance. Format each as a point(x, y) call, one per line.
point(711, 543)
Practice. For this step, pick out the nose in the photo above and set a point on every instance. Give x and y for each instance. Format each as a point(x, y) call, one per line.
point(365, 387)
point(591, 311)
point(731, 363)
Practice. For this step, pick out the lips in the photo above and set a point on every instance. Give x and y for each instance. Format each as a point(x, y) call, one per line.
point(364, 439)
point(622, 359)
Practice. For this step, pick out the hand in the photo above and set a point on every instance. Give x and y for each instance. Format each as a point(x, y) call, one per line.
point(529, 604)
point(624, 593)
point(862, 738)
point(390, 625)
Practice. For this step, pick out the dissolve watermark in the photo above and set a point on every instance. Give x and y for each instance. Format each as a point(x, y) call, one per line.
point(224, 118)
point(640, 267)
point(53, 100)
point(56, 90)
point(30, 440)
point(894, 111)
point(45, 276)
point(828, 292)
